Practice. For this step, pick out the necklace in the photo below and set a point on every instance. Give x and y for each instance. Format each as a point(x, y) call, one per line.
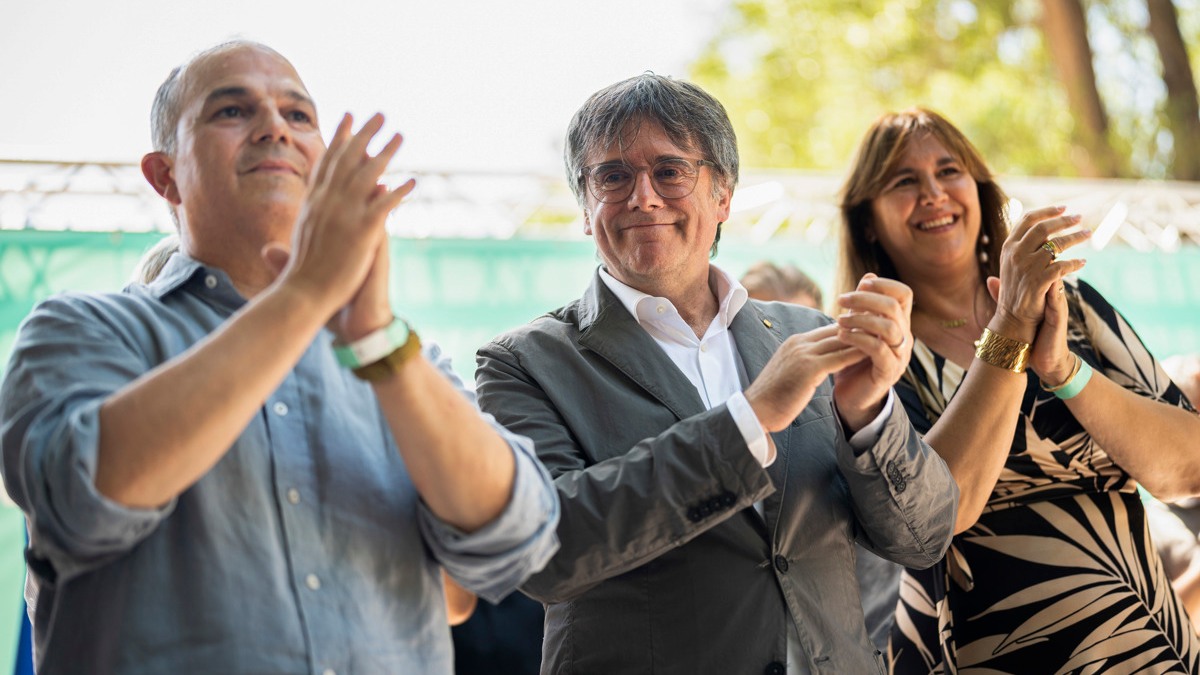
point(959, 322)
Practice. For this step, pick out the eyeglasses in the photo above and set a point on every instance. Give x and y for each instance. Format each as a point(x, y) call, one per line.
point(671, 179)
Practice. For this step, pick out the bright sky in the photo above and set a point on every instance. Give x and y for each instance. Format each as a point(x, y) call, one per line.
point(471, 85)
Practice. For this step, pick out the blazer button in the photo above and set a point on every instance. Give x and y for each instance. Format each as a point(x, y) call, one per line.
point(775, 668)
point(693, 515)
point(781, 564)
point(898, 481)
point(728, 499)
point(704, 511)
point(715, 505)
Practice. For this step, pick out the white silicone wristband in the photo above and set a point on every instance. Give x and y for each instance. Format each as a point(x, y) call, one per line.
point(374, 346)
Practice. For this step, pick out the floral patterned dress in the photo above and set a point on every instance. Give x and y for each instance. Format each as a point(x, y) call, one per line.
point(1059, 574)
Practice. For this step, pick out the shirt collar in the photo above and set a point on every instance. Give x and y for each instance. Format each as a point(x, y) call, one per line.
point(731, 295)
point(180, 269)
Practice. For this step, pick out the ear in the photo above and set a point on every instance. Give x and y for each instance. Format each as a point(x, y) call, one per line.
point(587, 222)
point(159, 170)
point(723, 205)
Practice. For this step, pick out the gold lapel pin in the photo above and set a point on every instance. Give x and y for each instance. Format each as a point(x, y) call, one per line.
point(767, 323)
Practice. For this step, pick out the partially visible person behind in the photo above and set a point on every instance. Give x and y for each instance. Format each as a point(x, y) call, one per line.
point(153, 260)
point(1176, 525)
point(766, 281)
point(1179, 548)
point(248, 464)
point(1184, 370)
point(501, 639)
point(1052, 567)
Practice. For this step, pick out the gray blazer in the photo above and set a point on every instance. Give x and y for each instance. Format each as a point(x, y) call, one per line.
point(664, 566)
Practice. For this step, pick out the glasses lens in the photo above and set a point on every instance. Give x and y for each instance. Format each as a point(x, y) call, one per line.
point(611, 182)
point(674, 178)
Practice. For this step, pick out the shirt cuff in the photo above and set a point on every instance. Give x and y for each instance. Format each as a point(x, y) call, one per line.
point(752, 430)
point(869, 434)
point(493, 560)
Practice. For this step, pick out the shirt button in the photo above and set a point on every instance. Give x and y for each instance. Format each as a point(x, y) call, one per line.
point(210, 281)
point(312, 582)
point(662, 308)
point(280, 408)
point(293, 495)
point(775, 668)
point(704, 346)
point(781, 564)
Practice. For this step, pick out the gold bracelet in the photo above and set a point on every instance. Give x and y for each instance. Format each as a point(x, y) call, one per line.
point(1070, 378)
point(1002, 352)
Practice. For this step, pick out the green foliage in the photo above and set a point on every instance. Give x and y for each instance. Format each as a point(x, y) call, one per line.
point(803, 79)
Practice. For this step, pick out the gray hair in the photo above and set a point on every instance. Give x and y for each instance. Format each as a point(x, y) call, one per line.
point(690, 116)
point(165, 111)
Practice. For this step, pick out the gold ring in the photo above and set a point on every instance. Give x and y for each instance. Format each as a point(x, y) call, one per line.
point(1052, 246)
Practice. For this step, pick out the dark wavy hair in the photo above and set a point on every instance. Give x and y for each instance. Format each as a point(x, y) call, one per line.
point(875, 163)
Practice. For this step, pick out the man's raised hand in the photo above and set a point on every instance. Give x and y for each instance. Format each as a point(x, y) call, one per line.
point(340, 230)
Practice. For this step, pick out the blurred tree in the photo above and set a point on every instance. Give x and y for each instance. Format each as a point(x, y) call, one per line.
point(802, 80)
point(1065, 27)
point(1182, 108)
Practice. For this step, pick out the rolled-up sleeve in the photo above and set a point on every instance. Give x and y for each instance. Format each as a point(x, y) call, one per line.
point(493, 560)
point(63, 367)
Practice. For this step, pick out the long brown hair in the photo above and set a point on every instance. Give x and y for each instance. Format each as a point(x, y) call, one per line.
point(874, 164)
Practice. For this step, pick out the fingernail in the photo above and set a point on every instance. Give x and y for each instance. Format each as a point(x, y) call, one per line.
point(1086, 232)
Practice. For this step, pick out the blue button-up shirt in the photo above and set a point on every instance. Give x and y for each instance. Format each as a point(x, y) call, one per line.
point(305, 549)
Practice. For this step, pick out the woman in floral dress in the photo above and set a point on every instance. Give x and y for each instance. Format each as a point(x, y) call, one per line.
point(1052, 569)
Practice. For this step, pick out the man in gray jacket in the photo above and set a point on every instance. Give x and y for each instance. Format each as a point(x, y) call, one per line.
point(716, 458)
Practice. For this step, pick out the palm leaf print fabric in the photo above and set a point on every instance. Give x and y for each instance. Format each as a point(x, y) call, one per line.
point(1059, 574)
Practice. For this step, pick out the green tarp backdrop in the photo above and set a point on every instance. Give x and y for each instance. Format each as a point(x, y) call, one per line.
point(462, 292)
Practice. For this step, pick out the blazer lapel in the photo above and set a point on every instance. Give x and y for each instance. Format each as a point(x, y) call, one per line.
point(757, 338)
point(607, 328)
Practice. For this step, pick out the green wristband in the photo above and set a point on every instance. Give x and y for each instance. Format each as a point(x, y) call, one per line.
point(1077, 383)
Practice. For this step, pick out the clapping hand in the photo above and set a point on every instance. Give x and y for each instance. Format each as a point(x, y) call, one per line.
point(339, 248)
point(876, 323)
